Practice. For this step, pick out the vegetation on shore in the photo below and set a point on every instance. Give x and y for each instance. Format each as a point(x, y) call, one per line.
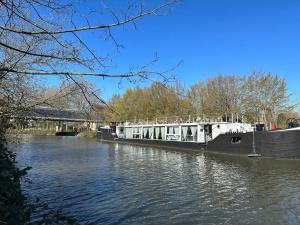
point(15, 208)
point(34, 132)
point(88, 134)
point(12, 201)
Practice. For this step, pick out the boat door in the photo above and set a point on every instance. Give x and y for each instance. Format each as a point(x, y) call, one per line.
point(208, 132)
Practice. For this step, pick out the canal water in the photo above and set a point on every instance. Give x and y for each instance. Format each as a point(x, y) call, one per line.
point(122, 184)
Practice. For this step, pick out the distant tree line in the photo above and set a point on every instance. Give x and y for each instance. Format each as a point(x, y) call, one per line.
point(259, 97)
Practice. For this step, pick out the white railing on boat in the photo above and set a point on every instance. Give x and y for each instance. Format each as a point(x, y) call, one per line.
point(204, 118)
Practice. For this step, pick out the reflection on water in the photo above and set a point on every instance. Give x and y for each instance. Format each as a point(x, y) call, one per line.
point(122, 184)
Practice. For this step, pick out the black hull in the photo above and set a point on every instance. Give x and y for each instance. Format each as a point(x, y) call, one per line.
point(168, 144)
point(285, 144)
point(66, 133)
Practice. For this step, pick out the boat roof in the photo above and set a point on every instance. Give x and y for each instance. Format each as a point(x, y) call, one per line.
point(177, 124)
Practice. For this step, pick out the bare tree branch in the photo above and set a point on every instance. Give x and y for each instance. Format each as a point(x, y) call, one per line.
point(36, 41)
point(96, 27)
point(68, 73)
point(28, 52)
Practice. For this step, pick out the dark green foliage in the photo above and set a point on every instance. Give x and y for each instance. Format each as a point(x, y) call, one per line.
point(12, 201)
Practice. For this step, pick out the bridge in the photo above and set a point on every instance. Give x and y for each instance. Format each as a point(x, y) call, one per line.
point(57, 120)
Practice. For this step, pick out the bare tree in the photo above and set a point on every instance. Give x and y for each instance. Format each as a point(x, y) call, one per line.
point(265, 97)
point(45, 38)
point(218, 95)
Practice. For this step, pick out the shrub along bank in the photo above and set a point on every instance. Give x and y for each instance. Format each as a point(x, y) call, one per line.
point(12, 201)
point(15, 208)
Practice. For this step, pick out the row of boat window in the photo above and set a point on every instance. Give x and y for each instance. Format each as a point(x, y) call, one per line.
point(188, 133)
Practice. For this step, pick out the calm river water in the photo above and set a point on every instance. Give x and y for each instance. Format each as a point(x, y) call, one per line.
point(122, 184)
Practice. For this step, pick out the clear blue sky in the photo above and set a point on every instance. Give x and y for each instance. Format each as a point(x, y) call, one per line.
point(213, 37)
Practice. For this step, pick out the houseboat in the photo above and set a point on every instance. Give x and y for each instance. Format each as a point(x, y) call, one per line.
point(219, 136)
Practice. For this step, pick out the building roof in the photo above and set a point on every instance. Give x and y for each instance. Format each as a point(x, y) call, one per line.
point(55, 114)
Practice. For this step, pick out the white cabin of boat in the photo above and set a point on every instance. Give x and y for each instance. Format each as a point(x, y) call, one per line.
point(201, 132)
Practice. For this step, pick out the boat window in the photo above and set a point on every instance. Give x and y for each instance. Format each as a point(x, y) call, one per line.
point(236, 140)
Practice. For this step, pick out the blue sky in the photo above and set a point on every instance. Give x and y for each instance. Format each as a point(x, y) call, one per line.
point(212, 37)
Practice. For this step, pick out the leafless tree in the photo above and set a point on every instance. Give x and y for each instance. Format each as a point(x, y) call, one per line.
point(220, 95)
point(45, 38)
point(265, 96)
point(79, 95)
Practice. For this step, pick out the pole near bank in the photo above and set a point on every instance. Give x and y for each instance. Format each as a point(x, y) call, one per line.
point(253, 154)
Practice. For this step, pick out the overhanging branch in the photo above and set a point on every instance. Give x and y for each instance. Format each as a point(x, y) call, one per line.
point(132, 74)
point(97, 27)
point(28, 52)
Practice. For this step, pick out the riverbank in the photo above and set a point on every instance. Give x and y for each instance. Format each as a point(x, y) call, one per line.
point(88, 134)
point(16, 206)
point(13, 208)
point(15, 132)
point(31, 132)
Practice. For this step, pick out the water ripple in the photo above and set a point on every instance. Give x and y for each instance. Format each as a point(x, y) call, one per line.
point(123, 184)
